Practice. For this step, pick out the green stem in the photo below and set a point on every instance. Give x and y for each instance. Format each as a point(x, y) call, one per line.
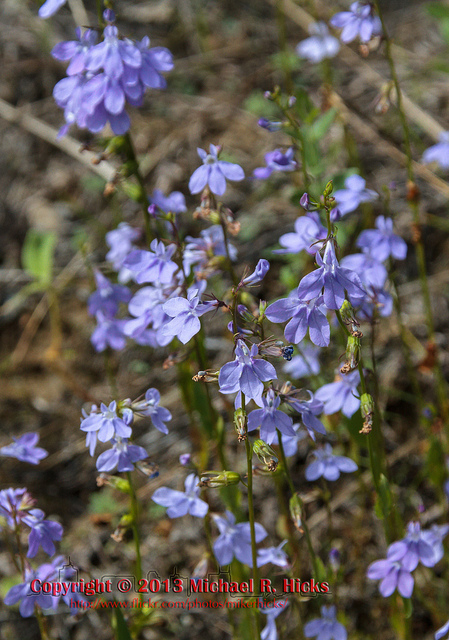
point(249, 460)
point(135, 528)
point(282, 34)
point(135, 170)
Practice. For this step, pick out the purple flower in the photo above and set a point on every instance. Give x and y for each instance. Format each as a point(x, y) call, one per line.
point(340, 395)
point(214, 172)
point(328, 465)
point(122, 455)
point(392, 573)
point(107, 297)
point(438, 152)
point(50, 7)
point(108, 423)
point(377, 300)
point(305, 316)
point(442, 631)
point(147, 307)
point(152, 266)
point(326, 627)
point(309, 409)
point(186, 314)
point(184, 459)
point(435, 536)
point(42, 534)
point(235, 539)
point(120, 243)
point(383, 242)
point(247, 373)
point(275, 555)
point(305, 364)
point(372, 272)
point(108, 333)
point(75, 50)
point(269, 632)
point(320, 45)
point(179, 503)
point(175, 202)
point(353, 195)
point(150, 407)
point(24, 449)
point(113, 55)
point(269, 418)
point(290, 443)
point(333, 279)
point(269, 125)
point(276, 161)
point(259, 273)
point(15, 505)
point(200, 252)
point(421, 546)
point(155, 61)
point(308, 229)
point(359, 21)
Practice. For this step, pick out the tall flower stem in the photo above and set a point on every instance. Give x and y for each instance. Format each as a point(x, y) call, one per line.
point(249, 460)
point(413, 202)
point(135, 528)
point(134, 169)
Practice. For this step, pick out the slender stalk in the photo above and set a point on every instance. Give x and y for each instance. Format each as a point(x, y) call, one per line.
point(419, 246)
point(282, 34)
point(249, 459)
point(135, 170)
point(135, 528)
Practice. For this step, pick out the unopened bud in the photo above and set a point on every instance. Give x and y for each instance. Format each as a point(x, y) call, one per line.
point(241, 424)
point(307, 203)
point(266, 454)
point(214, 479)
point(328, 189)
point(367, 409)
point(296, 511)
point(206, 376)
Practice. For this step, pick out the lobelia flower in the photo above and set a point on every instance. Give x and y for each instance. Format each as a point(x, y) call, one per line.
point(276, 161)
point(309, 409)
point(200, 252)
point(269, 418)
point(275, 555)
point(15, 504)
point(24, 449)
point(353, 195)
point(147, 307)
point(382, 242)
point(320, 45)
point(152, 266)
point(122, 455)
point(420, 546)
point(120, 243)
point(290, 443)
point(235, 539)
point(186, 314)
point(155, 61)
point(214, 172)
point(259, 273)
point(179, 503)
point(333, 280)
point(438, 152)
point(358, 21)
point(42, 534)
point(175, 202)
point(442, 631)
point(50, 7)
point(339, 395)
point(328, 465)
point(269, 632)
point(435, 536)
point(392, 573)
point(247, 373)
point(108, 333)
point(305, 364)
point(107, 423)
point(75, 50)
point(107, 297)
point(308, 229)
point(326, 627)
point(377, 301)
point(306, 315)
point(150, 407)
point(269, 125)
point(372, 272)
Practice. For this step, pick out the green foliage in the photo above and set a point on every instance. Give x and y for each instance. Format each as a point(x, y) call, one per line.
point(38, 256)
point(119, 625)
point(383, 501)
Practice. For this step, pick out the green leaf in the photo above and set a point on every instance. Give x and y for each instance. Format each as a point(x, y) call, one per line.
point(320, 127)
point(119, 625)
point(38, 255)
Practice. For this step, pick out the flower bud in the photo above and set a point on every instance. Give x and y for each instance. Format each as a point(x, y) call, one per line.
point(335, 214)
point(328, 189)
point(307, 203)
point(258, 274)
point(214, 479)
point(241, 424)
point(184, 459)
point(367, 409)
point(266, 454)
point(296, 510)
